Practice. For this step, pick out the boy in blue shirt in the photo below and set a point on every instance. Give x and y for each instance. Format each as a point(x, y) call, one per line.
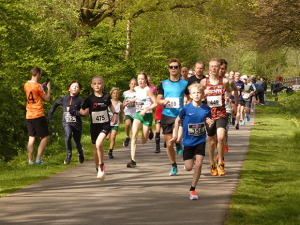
point(194, 116)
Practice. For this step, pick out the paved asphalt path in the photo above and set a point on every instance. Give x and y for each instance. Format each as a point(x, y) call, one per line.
point(142, 195)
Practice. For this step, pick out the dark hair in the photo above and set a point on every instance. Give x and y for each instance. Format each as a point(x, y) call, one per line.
point(145, 76)
point(72, 82)
point(223, 61)
point(174, 60)
point(35, 70)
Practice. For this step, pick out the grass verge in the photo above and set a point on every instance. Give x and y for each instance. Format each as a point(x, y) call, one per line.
point(269, 187)
point(17, 174)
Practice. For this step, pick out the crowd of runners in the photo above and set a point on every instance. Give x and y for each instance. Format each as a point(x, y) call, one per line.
point(187, 107)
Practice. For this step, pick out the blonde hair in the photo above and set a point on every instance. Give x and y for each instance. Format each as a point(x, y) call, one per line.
point(114, 89)
point(98, 77)
point(198, 86)
point(214, 60)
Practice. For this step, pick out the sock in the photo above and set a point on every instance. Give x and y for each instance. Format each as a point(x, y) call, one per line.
point(192, 188)
point(30, 161)
point(174, 164)
point(128, 137)
point(110, 151)
point(132, 160)
point(38, 160)
point(157, 138)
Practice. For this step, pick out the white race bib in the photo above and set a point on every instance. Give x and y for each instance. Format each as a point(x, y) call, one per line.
point(139, 105)
point(173, 103)
point(132, 104)
point(214, 101)
point(246, 95)
point(196, 129)
point(100, 117)
point(69, 118)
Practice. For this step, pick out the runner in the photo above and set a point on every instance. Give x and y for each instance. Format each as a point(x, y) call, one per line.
point(215, 87)
point(71, 119)
point(230, 107)
point(171, 95)
point(191, 73)
point(129, 110)
point(36, 121)
point(97, 105)
point(241, 102)
point(194, 116)
point(145, 102)
point(251, 81)
point(153, 89)
point(158, 113)
point(115, 94)
point(199, 69)
point(248, 92)
point(184, 73)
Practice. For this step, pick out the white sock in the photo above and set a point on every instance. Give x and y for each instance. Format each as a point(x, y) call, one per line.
point(128, 137)
point(38, 160)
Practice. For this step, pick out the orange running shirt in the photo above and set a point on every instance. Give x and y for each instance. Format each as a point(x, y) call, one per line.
point(34, 106)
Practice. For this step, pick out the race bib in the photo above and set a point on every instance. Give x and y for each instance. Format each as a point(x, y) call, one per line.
point(130, 105)
point(196, 129)
point(246, 95)
point(214, 101)
point(173, 103)
point(69, 118)
point(100, 117)
point(139, 105)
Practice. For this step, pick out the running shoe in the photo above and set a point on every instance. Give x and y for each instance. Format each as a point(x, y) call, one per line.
point(157, 150)
point(237, 126)
point(41, 163)
point(151, 135)
point(179, 149)
point(248, 118)
point(243, 123)
point(193, 195)
point(173, 171)
point(81, 157)
point(213, 169)
point(131, 164)
point(226, 148)
point(221, 170)
point(233, 121)
point(68, 159)
point(101, 172)
point(110, 155)
point(30, 163)
point(126, 142)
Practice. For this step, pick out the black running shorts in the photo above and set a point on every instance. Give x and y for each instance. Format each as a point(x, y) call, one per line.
point(219, 123)
point(37, 127)
point(190, 151)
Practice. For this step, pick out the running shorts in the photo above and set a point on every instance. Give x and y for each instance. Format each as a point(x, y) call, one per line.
point(219, 123)
point(190, 151)
point(105, 128)
point(167, 124)
point(146, 119)
point(37, 127)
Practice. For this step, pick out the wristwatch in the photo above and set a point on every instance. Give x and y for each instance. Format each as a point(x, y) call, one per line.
point(115, 113)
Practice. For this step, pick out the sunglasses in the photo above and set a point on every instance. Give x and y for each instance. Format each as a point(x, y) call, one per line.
point(173, 67)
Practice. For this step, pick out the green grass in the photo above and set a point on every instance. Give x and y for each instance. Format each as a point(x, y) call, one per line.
point(269, 188)
point(17, 174)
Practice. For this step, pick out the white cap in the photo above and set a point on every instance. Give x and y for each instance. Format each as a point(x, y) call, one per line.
point(244, 77)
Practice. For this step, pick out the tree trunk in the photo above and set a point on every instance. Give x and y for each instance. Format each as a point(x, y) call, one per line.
point(128, 40)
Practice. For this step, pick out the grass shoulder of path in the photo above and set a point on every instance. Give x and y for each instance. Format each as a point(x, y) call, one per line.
point(269, 187)
point(17, 174)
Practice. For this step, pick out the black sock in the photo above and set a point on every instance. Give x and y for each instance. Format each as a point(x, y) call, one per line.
point(174, 164)
point(157, 138)
point(192, 188)
point(110, 151)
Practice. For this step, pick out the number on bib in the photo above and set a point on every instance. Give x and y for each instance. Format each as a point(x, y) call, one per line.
point(100, 117)
point(214, 101)
point(196, 129)
point(173, 103)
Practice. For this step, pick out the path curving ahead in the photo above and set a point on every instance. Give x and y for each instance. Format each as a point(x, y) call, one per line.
point(142, 195)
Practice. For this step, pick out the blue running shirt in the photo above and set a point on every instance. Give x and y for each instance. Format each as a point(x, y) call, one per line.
point(194, 131)
point(174, 92)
